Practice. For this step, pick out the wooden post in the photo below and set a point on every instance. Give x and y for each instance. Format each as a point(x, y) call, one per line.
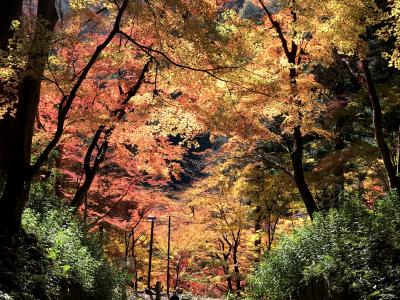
point(150, 254)
point(168, 254)
point(134, 258)
point(158, 290)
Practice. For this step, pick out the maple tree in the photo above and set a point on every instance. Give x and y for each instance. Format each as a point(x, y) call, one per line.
point(219, 203)
point(107, 101)
point(283, 103)
point(14, 195)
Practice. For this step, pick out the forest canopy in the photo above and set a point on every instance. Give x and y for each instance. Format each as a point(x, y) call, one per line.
point(238, 149)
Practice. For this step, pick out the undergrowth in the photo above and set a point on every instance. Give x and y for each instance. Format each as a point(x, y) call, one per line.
point(56, 257)
point(355, 250)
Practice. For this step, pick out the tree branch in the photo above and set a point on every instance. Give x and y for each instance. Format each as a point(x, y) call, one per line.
point(277, 28)
point(67, 101)
point(111, 208)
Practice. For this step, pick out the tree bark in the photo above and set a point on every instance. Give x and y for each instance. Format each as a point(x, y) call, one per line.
point(398, 153)
point(298, 173)
point(9, 11)
point(226, 253)
point(90, 171)
point(236, 266)
point(257, 228)
point(18, 171)
point(379, 136)
point(228, 280)
point(294, 59)
point(340, 166)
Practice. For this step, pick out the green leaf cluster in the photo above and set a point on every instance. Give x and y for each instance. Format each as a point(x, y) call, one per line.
point(353, 250)
point(76, 257)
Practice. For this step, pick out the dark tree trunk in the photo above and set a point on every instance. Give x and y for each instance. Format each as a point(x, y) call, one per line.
point(270, 231)
point(294, 58)
point(227, 273)
point(18, 171)
point(226, 249)
point(398, 153)
point(379, 136)
point(296, 155)
point(257, 228)
point(91, 170)
point(236, 267)
point(298, 173)
point(229, 282)
point(9, 10)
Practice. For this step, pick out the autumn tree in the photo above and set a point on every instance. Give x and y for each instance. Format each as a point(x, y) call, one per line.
point(75, 82)
point(269, 194)
point(227, 216)
point(276, 96)
point(389, 31)
point(390, 166)
point(19, 131)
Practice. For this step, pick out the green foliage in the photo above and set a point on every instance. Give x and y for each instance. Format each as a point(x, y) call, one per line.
point(76, 256)
point(5, 296)
point(392, 33)
point(354, 249)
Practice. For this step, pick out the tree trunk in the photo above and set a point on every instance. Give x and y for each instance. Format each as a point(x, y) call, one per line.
point(398, 153)
point(236, 267)
point(298, 173)
point(18, 171)
point(257, 229)
point(229, 281)
point(59, 179)
point(296, 155)
point(380, 139)
point(298, 148)
point(227, 273)
point(91, 171)
point(9, 11)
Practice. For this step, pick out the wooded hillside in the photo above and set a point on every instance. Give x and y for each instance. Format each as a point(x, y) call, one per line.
point(239, 149)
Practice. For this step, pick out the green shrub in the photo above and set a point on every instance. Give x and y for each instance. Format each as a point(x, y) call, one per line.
point(355, 250)
point(76, 256)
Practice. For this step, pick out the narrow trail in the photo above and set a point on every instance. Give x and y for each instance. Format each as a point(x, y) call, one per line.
point(143, 296)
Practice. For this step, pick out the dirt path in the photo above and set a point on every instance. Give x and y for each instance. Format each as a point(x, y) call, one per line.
point(143, 296)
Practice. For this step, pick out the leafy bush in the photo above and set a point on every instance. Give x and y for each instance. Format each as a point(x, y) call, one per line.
point(76, 256)
point(353, 249)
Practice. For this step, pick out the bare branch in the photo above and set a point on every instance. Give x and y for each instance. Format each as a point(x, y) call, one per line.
point(112, 207)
